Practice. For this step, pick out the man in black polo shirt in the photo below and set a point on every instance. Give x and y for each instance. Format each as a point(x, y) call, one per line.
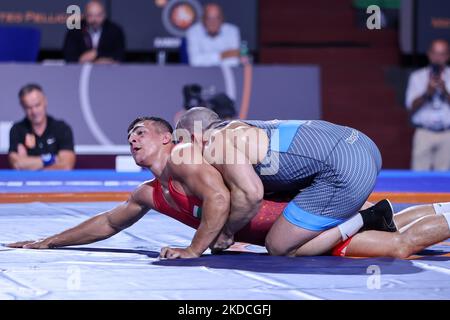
point(39, 141)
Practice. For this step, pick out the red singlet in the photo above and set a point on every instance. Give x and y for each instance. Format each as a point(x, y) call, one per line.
point(189, 213)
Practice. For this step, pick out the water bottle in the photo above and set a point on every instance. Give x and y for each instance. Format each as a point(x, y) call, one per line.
point(244, 49)
point(161, 59)
point(245, 53)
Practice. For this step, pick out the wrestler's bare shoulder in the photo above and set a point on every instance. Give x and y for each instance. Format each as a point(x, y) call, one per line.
point(235, 128)
point(250, 140)
point(143, 194)
point(184, 153)
point(236, 124)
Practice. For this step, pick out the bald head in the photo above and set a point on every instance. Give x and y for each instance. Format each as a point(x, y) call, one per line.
point(439, 52)
point(199, 117)
point(213, 9)
point(95, 14)
point(212, 18)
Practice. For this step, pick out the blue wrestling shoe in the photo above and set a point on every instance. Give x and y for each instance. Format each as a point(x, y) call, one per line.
point(379, 217)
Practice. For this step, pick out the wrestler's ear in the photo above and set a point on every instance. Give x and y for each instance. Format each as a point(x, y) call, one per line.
point(182, 136)
point(166, 138)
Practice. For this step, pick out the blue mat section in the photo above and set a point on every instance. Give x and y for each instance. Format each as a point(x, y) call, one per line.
point(71, 181)
point(411, 181)
point(108, 180)
point(126, 266)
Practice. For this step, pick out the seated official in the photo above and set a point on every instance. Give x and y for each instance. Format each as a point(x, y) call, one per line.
point(98, 41)
point(39, 141)
point(213, 42)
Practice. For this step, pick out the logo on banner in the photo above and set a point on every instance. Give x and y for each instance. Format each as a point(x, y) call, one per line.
point(179, 15)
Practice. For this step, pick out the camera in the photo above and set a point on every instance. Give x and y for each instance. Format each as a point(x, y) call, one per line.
point(192, 94)
point(219, 103)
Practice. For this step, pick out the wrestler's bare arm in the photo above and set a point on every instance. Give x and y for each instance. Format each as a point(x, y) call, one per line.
point(205, 182)
point(246, 192)
point(100, 227)
point(236, 166)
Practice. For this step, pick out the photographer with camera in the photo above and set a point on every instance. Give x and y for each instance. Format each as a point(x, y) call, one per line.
point(428, 101)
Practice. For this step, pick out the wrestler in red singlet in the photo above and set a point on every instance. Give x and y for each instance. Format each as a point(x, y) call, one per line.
point(189, 213)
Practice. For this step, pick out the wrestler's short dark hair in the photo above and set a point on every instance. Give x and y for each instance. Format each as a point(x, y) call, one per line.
point(162, 124)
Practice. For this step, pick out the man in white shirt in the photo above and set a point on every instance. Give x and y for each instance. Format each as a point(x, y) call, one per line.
point(213, 42)
point(428, 101)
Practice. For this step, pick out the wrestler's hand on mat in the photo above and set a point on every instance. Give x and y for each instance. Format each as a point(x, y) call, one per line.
point(177, 253)
point(32, 244)
point(223, 242)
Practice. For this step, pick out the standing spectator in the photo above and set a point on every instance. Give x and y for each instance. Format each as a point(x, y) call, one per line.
point(213, 42)
point(39, 141)
point(428, 101)
point(99, 40)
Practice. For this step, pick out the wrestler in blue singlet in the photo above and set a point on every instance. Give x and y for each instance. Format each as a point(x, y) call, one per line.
point(333, 167)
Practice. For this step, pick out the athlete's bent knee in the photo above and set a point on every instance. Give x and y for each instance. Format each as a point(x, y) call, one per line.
point(275, 250)
point(401, 249)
